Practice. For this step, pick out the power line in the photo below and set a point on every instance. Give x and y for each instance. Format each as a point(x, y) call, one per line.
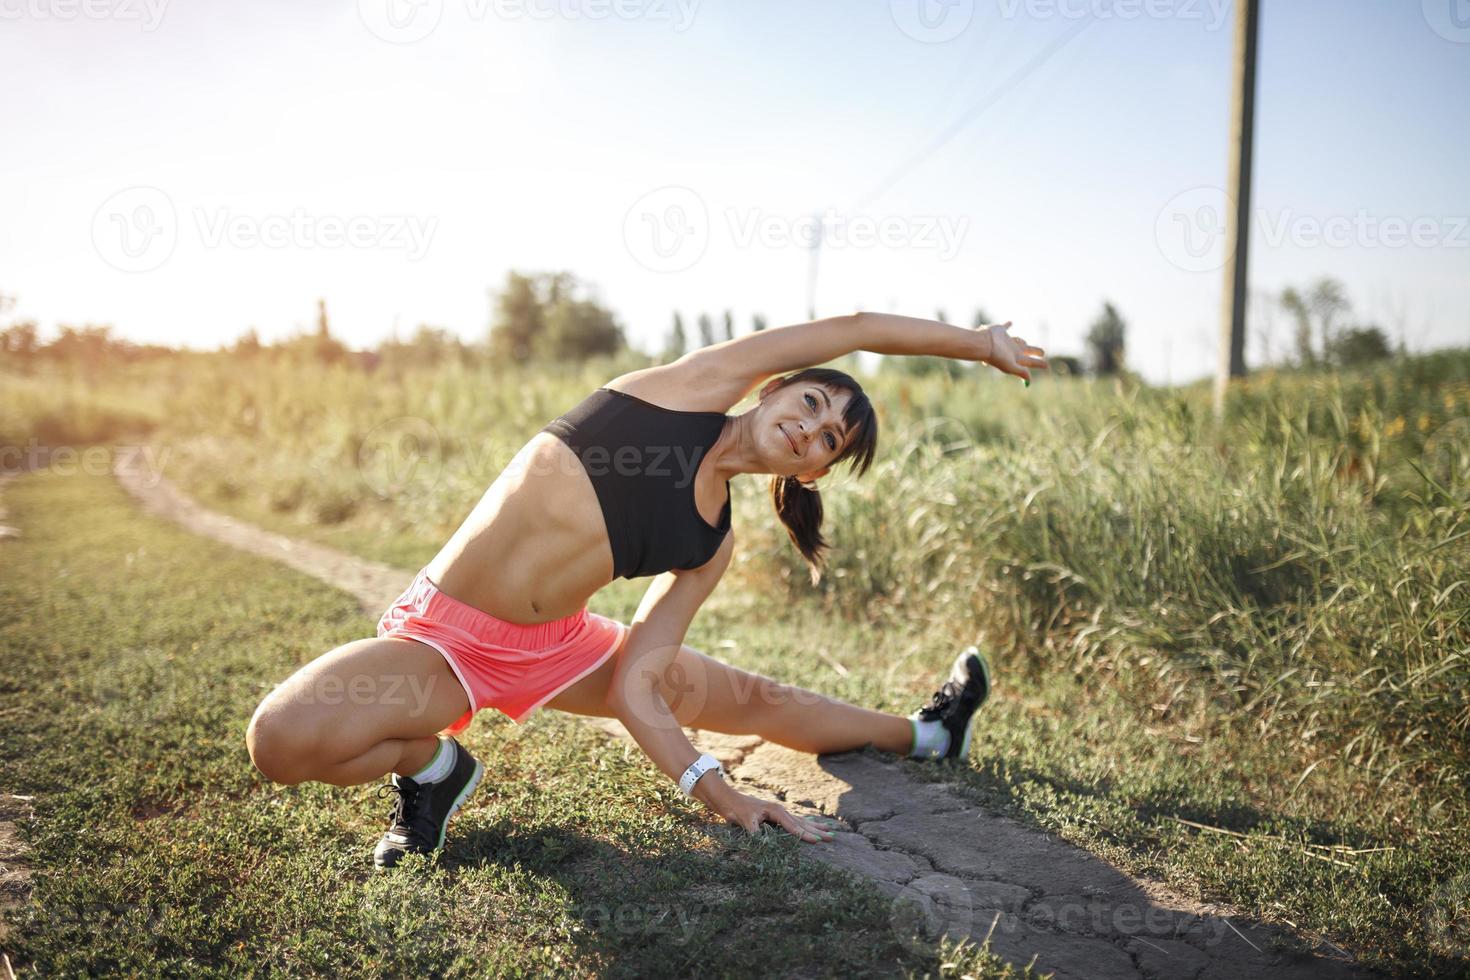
point(970, 114)
point(949, 133)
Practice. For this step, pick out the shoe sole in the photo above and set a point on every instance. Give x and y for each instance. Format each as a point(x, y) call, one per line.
point(464, 794)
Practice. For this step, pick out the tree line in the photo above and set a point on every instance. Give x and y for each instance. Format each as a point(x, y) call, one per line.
point(553, 317)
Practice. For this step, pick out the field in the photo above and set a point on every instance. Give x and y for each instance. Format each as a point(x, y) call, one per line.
point(1232, 657)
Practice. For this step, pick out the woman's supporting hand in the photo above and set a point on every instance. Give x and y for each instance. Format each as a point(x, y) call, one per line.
point(1011, 354)
point(750, 812)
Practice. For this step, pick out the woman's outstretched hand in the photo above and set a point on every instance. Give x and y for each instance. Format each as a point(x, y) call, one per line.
point(1012, 354)
point(750, 812)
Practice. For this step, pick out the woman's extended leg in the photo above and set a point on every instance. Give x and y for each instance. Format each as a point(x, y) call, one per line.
point(704, 693)
point(367, 708)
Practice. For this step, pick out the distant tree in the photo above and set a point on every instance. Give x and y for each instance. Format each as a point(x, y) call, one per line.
point(939, 315)
point(757, 323)
point(1318, 310)
point(325, 347)
point(518, 319)
point(89, 346)
point(706, 330)
point(1328, 302)
point(1106, 340)
point(729, 325)
point(1296, 308)
point(551, 315)
point(980, 319)
point(248, 345)
point(1359, 346)
point(19, 343)
point(578, 328)
point(429, 345)
point(677, 341)
point(1063, 365)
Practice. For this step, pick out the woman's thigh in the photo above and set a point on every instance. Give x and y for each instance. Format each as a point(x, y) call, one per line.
point(700, 691)
point(347, 700)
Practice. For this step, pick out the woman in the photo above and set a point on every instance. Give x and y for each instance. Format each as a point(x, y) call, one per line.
point(633, 481)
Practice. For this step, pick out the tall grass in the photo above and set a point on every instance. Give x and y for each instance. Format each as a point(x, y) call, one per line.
point(1303, 564)
point(1260, 558)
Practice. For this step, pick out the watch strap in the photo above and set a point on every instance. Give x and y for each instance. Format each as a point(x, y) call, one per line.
point(705, 763)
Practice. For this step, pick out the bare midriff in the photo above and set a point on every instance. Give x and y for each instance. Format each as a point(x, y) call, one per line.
point(535, 548)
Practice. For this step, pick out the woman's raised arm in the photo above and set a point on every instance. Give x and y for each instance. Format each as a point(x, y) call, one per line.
point(755, 357)
point(992, 344)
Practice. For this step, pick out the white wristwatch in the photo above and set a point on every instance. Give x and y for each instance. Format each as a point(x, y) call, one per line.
point(698, 768)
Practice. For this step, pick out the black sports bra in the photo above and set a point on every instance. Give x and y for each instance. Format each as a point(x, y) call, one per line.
point(642, 459)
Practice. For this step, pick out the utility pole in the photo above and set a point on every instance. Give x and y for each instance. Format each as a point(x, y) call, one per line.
point(1238, 226)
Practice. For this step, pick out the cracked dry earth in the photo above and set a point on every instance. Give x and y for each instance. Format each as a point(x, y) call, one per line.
point(950, 866)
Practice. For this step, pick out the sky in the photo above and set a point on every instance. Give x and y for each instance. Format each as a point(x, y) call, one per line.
point(183, 170)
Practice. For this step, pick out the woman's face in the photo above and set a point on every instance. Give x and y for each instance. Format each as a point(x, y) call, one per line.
point(800, 428)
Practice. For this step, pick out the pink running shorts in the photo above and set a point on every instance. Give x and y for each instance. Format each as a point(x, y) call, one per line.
point(502, 665)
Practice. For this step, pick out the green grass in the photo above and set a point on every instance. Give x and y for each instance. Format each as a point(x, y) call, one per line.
point(1262, 627)
point(134, 654)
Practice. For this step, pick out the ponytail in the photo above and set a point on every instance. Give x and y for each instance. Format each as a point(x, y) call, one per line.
point(800, 509)
point(799, 505)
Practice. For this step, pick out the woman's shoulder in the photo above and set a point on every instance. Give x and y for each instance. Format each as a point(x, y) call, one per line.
point(681, 386)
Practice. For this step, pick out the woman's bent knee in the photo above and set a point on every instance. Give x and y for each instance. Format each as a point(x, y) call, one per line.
point(278, 746)
point(349, 700)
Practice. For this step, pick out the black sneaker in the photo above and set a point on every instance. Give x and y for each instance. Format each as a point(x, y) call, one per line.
point(421, 813)
point(956, 702)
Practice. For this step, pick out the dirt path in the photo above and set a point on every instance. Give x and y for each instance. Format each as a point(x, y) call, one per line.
point(950, 866)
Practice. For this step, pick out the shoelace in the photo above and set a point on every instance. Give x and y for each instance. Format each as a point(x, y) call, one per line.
point(941, 699)
point(404, 807)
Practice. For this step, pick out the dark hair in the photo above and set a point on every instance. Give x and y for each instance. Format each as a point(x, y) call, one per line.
point(800, 506)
